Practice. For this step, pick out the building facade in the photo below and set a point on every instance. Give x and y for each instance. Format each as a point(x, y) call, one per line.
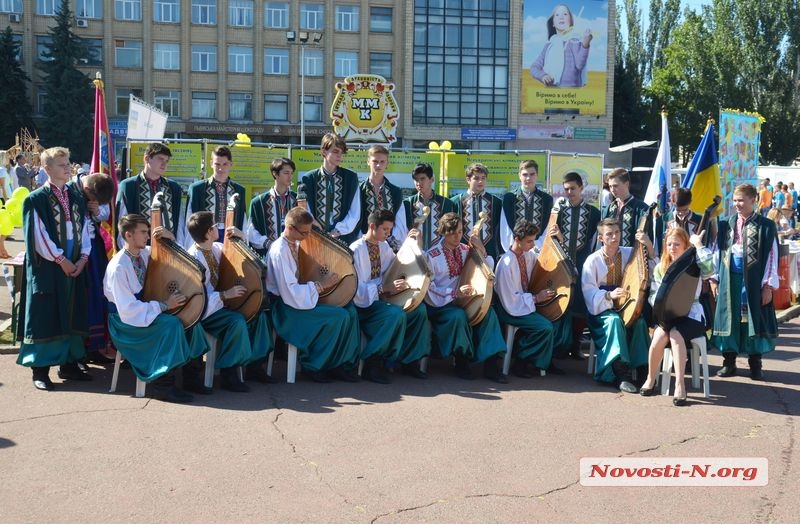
point(220, 67)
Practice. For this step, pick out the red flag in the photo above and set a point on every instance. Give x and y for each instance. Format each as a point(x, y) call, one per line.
point(103, 157)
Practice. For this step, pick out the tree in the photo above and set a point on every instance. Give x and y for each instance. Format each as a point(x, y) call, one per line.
point(14, 104)
point(69, 101)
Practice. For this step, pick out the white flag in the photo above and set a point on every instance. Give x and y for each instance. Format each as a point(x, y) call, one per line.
point(145, 122)
point(661, 178)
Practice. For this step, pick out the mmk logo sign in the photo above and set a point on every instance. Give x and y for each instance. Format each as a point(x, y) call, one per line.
point(365, 109)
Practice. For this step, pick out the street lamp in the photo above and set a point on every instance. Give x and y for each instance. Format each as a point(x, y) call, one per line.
point(302, 38)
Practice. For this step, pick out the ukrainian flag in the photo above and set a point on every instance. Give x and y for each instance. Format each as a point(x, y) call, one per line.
point(702, 176)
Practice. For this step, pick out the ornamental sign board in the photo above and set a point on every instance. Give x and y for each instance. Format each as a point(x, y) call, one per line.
point(365, 110)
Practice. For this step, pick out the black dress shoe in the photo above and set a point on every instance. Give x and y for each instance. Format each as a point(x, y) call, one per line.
point(43, 383)
point(756, 374)
point(727, 371)
point(345, 374)
point(491, 371)
point(648, 392)
point(413, 370)
point(235, 385)
point(318, 376)
point(627, 387)
point(197, 386)
point(520, 369)
point(555, 370)
point(462, 369)
point(500, 378)
point(257, 373)
point(95, 357)
point(174, 395)
point(73, 372)
point(374, 374)
point(679, 402)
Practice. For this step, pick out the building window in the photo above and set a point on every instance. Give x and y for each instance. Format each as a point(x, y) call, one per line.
point(89, 9)
point(460, 71)
point(313, 65)
point(43, 45)
point(167, 11)
point(276, 108)
point(380, 19)
point(347, 18)
point(240, 13)
point(276, 61)
point(166, 56)
point(346, 63)
point(380, 64)
point(204, 104)
point(240, 59)
point(17, 40)
point(128, 9)
point(128, 53)
point(204, 58)
point(276, 15)
point(312, 16)
point(94, 52)
point(123, 99)
point(10, 6)
point(204, 12)
point(313, 108)
point(46, 7)
point(169, 102)
point(41, 100)
point(240, 106)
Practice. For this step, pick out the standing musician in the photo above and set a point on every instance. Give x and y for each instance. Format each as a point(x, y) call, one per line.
point(332, 191)
point(626, 208)
point(214, 193)
point(516, 306)
point(748, 274)
point(57, 248)
point(475, 200)
point(575, 230)
point(135, 194)
point(449, 324)
point(526, 203)
point(97, 189)
point(619, 349)
point(392, 334)
point(377, 192)
point(268, 210)
point(326, 337)
point(684, 329)
point(152, 341)
point(241, 343)
point(683, 217)
point(412, 208)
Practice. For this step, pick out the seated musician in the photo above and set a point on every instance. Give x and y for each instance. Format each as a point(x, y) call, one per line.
point(326, 337)
point(241, 343)
point(152, 341)
point(268, 210)
point(516, 306)
point(392, 334)
point(684, 329)
point(449, 324)
point(619, 349)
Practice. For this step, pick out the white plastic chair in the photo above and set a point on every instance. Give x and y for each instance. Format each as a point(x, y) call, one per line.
point(511, 332)
point(698, 356)
point(140, 385)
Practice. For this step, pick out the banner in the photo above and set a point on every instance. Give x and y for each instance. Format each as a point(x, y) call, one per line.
point(103, 159)
point(702, 175)
point(564, 57)
point(739, 140)
point(184, 167)
point(251, 167)
point(661, 177)
point(145, 122)
point(503, 170)
point(590, 167)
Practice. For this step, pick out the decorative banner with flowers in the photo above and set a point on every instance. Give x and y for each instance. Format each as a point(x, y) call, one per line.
point(365, 110)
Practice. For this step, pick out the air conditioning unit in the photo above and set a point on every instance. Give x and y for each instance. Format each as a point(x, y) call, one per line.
point(82, 22)
point(15, 18)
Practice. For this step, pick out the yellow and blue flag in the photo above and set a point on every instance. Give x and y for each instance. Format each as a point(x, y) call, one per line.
point(702, 176)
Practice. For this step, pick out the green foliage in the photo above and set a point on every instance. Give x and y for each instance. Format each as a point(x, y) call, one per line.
point(14, 104)
point(69, 104)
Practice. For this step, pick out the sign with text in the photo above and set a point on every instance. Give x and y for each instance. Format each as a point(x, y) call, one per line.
point(503, 170)
point(364, 110)
point(184, 166)
point(590, 167)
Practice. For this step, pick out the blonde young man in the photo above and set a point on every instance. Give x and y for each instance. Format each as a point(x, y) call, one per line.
point(377, 192)
point(625, 208)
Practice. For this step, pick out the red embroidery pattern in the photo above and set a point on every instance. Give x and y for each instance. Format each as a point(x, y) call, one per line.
point(523, 270)
point(455, 263)
point(374, 251)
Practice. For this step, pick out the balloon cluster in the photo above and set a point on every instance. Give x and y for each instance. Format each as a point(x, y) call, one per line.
point(11, 213)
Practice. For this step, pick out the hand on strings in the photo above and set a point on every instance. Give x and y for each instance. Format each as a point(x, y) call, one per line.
point(413, 233)
point(234, 232)
point(555, 231)
point(544, 295)
point(176, 299)
point(162, 232)
point(465, 291)
point(329, 280)
point(234, 292)
point(618, 293)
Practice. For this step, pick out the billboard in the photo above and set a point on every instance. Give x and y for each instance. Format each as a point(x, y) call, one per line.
point(564, 57)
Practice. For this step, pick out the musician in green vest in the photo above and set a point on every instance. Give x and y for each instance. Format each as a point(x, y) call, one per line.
point(625, 207)
point(214, 193)
point(57, 248)
point(135, 194)
point(745, 320)
point(413, 209)
point(526, 203)
point(473, 202)
point(268, 210)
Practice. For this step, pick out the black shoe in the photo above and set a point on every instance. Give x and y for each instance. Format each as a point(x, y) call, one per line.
point(412, 369)
point(576, 354)
point(197, 386)
point(462, 369)
point(678, 402)
point(648, 392)
point(43, 383)
point(627, 387)
point(257, 373)
point(318, 376)
point(756, 374)
point(755, 367)
point(235, 385)
point(174, 395)
point(491, 372)
point(344, 373)
point(555, 370)
point(95, 357)
point(73, 372)
point(727, 371)
point(373, 373)
point(520, 369)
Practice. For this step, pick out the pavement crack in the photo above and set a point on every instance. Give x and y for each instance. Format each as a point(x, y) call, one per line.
point(764, 513)
point(65, 413)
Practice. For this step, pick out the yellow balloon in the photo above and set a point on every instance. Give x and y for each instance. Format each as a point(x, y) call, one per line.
point(12, 204)
point(433, 146)
point(446, 145)
point(6, 227)
point(20, 193)
point(16, 218)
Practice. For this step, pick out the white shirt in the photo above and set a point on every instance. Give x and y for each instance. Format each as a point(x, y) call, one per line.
point(516, 301)
point(594, 275)
point(367, 292)
point(214, 302)
point(120, 286)
point(282, 277)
